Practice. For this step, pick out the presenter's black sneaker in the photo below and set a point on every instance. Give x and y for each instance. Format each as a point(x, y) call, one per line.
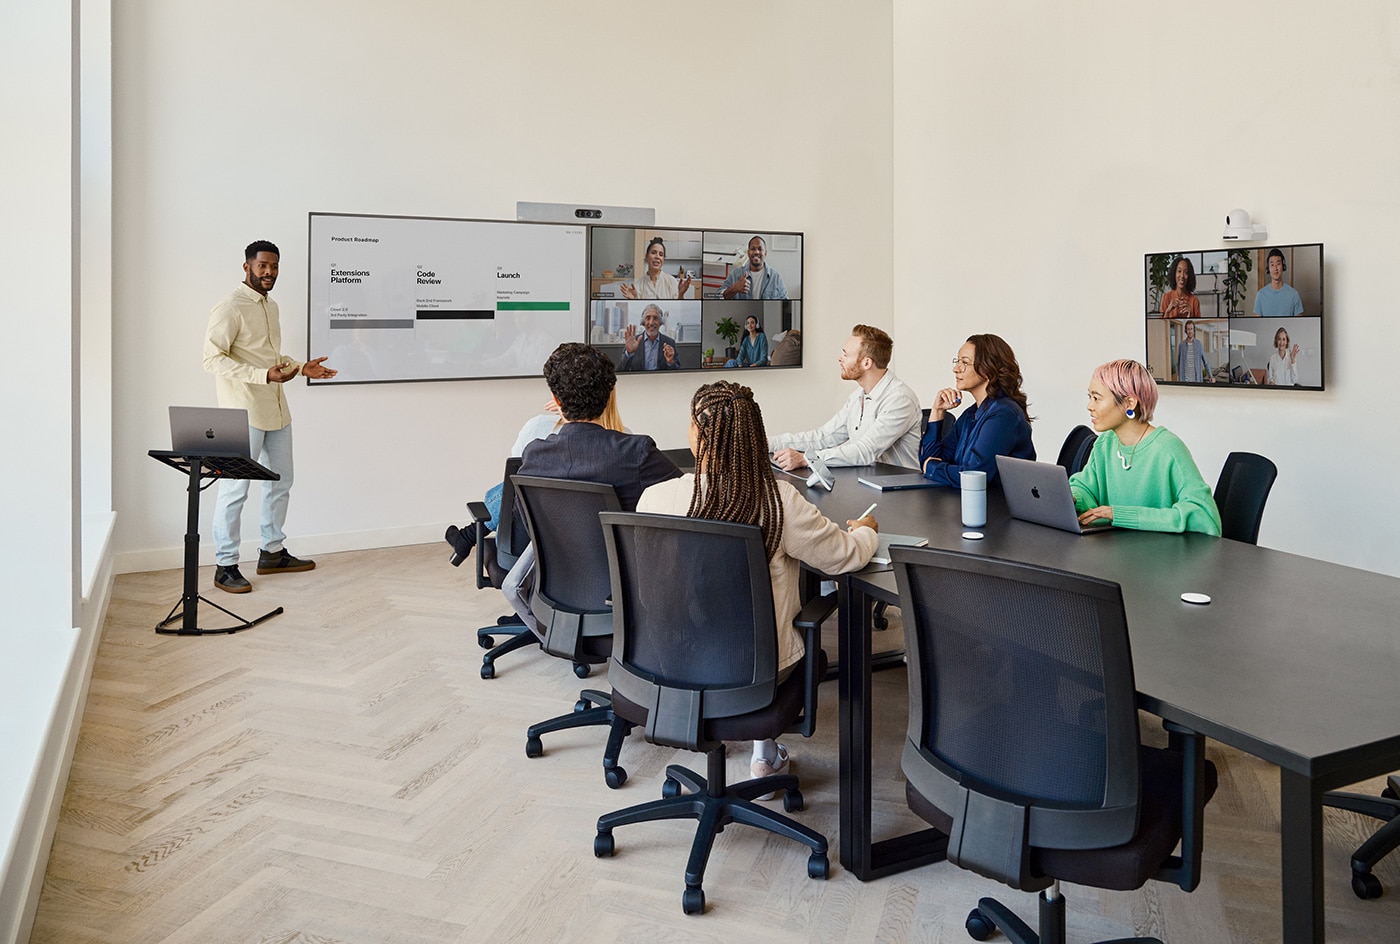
point(462, 543)
point(228, 578)
point(280, 562)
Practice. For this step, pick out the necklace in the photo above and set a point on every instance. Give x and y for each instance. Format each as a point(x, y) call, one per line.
point(1128, 459)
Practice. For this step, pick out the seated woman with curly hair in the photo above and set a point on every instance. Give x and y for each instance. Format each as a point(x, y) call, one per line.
point(996, 424)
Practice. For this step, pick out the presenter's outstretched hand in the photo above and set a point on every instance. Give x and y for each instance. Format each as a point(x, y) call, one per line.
point(281, 373)
point(316, 370)
point(630, 341)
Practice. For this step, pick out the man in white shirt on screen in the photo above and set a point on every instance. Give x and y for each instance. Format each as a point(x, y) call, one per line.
point(879, 423)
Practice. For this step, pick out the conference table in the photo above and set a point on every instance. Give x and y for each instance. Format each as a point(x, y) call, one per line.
point(1295, 661)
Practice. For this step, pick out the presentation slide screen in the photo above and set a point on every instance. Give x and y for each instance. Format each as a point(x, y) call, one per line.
point(685, 299)
point(393, 298)
point(1236, 317)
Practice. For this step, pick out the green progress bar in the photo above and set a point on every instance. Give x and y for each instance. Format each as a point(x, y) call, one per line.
point(532, 306)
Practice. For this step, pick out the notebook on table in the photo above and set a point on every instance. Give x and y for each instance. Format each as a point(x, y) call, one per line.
point(209, 431)
point(882, 550)
point(1039, 492)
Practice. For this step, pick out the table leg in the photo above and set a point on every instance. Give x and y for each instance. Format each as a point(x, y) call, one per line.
point(1300, 827)
point(853, 687)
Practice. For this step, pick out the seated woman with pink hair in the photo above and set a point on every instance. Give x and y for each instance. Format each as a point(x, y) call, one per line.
point(1138, 476)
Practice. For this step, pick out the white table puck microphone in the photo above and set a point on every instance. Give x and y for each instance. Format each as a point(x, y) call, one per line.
point(972, 535)
point(1198, 598)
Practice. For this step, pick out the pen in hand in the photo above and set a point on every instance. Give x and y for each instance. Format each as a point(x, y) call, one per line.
point(866, 512)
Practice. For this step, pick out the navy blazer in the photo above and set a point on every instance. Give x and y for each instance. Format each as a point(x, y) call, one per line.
point(997, 428)
point(587, 452)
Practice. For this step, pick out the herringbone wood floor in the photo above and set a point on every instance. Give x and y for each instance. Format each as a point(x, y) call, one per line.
point(342, 774)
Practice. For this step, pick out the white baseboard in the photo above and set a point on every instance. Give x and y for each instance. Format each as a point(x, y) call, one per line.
point(169, 558)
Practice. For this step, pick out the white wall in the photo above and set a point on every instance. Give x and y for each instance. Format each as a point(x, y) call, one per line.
point(1037, 159)
point(231, 123)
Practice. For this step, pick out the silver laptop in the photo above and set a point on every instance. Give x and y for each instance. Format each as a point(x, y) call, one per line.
point(1039, 492)
point(209, 431)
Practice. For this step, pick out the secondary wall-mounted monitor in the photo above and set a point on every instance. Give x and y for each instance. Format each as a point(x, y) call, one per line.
point(393, 298)
point(685, 299)
point(1236, 317)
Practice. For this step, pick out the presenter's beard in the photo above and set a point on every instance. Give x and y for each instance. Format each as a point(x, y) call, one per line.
point(263, 284)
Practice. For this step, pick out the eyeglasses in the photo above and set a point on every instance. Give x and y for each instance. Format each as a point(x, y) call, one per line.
point(962, 362)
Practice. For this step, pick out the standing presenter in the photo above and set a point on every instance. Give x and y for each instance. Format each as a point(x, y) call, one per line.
point(243, 350)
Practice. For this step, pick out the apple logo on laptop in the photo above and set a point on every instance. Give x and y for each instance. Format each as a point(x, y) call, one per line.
point(1035, 491)
point(209, 433)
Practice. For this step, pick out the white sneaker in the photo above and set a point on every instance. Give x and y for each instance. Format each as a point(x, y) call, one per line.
point(761, 768)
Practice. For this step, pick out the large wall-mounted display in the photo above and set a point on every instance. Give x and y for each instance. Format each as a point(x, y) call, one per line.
point(673, 299)
point(393, 298)
point(413, 298)
point(1236, 317)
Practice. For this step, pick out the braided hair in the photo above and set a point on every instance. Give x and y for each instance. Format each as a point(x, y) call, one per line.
point(735, 479)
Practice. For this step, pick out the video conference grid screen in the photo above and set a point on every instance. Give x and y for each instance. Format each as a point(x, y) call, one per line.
point(663, 299)
point(1236, 317)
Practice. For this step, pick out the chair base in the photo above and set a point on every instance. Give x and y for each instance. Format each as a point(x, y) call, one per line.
point(715, 805)
point(1383, 842)
point(519, 637)
point(593, 707)
point(991, 915)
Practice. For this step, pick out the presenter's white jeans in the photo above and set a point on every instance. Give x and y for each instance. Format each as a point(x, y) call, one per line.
point(273, 448)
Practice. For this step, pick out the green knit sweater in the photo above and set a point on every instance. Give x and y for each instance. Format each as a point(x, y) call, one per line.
point(1162, 491)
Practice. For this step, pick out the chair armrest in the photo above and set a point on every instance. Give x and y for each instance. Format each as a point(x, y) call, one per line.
point(809, 623)
point(480, 516)
point(1185, 869)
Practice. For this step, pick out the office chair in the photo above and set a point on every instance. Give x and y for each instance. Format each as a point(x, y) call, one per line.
point(569, 598)
point(1241, 493)
point(1382, 843)
point(695, 664)
point(1023, 737)
point(1074, 454)
point(496, 554)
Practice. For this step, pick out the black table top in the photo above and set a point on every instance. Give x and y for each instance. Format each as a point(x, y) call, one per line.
point(1295, 660)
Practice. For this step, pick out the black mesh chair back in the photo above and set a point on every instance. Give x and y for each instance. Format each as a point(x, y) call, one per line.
point(501, 549)
point(1241, 493)
point(1022, 721)
point(571, 567)
point(694, 636)
point(1074, 454)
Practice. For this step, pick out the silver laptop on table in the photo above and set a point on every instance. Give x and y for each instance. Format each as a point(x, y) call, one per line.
point(209, 431)
point(1039, 492)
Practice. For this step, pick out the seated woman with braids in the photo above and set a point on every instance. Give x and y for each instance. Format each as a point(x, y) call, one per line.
point(734, 482)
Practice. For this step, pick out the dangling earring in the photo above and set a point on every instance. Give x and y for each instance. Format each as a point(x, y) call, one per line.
point(1130, 412)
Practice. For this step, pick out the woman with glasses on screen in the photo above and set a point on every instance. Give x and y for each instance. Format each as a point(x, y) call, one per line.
point(734, 481)
point(996, 424)
point(654, 283)
point(1138, 475)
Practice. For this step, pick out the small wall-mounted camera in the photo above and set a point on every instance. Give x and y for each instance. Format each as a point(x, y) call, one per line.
point(572, 213)
point(587, 214)
point(1238, 226)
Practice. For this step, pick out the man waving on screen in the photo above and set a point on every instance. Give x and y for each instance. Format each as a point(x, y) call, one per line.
point(243, 350)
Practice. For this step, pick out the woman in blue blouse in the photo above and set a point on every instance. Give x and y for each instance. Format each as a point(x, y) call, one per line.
point(996, 424)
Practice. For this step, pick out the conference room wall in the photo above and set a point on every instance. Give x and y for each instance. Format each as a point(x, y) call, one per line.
point(1040, 151)
point(231, 123)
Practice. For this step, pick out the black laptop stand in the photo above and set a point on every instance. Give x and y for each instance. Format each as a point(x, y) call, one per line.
point(186, 610)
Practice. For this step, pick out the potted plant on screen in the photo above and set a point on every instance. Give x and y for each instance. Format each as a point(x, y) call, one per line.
point(729, 329)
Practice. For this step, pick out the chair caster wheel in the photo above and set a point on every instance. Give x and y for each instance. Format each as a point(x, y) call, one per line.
point(583, 704)
point(582, 670)
point(792, 801)
point(1366, 886)
point(603, 845)
point(488, 670)
point(486, 642)
point(1389, 794)
point(533, 747)
point(693, 900)
point(614, 777)
point(818, 866)
point(880, 623)
point(978, 927)
point(670, 787)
